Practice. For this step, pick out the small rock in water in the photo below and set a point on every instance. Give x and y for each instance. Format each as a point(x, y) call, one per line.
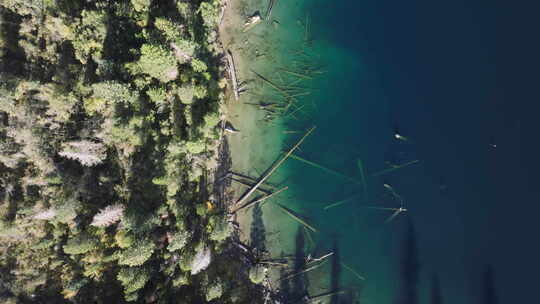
point(399, 137)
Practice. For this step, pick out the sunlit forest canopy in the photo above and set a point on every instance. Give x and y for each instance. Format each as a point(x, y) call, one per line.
point(109, 127)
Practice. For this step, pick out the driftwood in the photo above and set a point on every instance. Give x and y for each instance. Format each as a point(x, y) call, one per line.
point(222, 12)
point(232, 73)
point(250, 179)
point(324, 295)
point(230, 128)
point(242, 246)
point(274, 168)
point(313, 260)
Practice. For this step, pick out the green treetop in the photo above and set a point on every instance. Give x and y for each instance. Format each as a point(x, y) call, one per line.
point(156, 61)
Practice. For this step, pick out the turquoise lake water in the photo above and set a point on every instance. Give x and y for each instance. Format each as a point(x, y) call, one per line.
point(445, 75)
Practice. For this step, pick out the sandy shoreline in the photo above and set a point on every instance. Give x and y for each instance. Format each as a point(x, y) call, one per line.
point(258, 144)
point(252, 147)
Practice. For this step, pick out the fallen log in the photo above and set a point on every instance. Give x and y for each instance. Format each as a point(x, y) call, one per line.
point(259, 200)
point(251, 179)
point(263, 191)
point(232, 73)
point(274, 168)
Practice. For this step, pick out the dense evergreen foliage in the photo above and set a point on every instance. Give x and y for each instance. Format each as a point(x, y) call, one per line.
point(109, 114)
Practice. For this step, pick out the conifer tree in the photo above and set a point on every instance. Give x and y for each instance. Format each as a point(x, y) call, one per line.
point(85, 152)
point(108, 216)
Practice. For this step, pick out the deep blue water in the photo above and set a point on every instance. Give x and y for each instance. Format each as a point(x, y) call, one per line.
point(456, 78)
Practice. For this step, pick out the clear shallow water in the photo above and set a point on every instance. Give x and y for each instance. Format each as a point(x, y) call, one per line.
point(446, 75)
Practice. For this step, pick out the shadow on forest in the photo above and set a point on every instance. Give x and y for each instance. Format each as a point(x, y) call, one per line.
point(410, 268)
point(9, 30)
point(220, 184)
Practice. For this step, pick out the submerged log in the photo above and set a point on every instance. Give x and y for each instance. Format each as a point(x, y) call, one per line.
point(297, 74)
point(396, 167)
point(296, 217)
point(269, 8)
point(341, 202)
point(356, 274)
point(360, 165)
point(282, 91)
point(303, 271)
point(333, 172)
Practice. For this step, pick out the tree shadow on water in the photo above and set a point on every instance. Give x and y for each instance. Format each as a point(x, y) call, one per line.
point(335, 273)
point(293, 283)
point(436, 296)
point(299, 282)
point(489, 290)
point(258, 231)
point(410, 269)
